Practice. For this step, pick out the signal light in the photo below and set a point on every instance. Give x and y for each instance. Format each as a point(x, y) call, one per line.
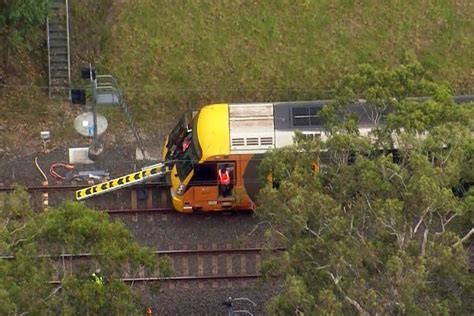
point(78, 96)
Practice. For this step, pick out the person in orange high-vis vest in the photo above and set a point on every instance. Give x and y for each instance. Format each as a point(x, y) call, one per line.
point(224, 182)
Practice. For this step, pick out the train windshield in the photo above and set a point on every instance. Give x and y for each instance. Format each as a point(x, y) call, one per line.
point(179, 132)
point(189, 152)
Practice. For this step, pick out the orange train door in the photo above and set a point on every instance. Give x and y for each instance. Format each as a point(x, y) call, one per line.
point(204, 191)
point(203, 187)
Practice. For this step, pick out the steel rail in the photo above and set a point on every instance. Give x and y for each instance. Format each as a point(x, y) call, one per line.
point(164, 252)
point(139, 210)
point(184, 278)
point(178, 253)
point(169, 210)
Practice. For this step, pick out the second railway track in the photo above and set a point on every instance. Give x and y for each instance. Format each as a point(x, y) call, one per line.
point(147, 198)
point(203, 266)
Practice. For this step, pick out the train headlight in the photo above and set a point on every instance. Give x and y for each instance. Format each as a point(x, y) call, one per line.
point(181, 189)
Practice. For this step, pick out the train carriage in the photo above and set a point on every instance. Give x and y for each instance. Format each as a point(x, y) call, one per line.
point(234, 136)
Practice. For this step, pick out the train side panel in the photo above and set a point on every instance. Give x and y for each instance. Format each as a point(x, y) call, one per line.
point(203, 191)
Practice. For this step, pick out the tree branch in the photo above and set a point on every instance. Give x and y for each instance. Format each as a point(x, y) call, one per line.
point(351, 267)
point(421, 220)
point(368, 202)
point(449, 219)
point(18, 229)
point(418, 224)
point(257, 226)
point(18, 241)
point(323, 267)
point(346, 297)
point(423, 244)
point(312, 232)
point(444, 222)
point(54, 292)
point(465, 238)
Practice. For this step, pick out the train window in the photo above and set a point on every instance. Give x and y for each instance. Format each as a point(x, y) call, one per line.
point(178, 132)
point(186, 162)
point(301, 116)
point(315, 119)
point(204, 174)
point(306, 116)
point(300, 121)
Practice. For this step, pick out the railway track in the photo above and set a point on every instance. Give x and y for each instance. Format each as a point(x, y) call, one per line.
point(156, 200)
point(203, 266)
point(143, 198)
point(148, 197)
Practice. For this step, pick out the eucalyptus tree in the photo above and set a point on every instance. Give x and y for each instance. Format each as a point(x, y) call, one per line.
point(380, 229)
point(20, 22)
point(36, 279)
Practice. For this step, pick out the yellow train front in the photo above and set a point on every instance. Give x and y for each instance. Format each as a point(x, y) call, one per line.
point(235, 137)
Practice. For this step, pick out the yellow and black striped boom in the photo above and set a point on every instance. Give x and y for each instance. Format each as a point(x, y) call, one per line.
point(125, 181)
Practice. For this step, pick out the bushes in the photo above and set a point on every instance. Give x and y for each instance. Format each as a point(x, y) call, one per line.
point(19, 23)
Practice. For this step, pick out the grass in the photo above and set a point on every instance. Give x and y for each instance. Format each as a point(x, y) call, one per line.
point(171, 56)
point(174, 55)
point(25, 107)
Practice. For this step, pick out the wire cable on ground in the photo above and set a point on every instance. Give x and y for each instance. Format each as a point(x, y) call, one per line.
point(56, 175)
point(40, 170)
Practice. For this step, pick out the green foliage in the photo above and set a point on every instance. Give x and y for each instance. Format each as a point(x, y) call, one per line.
point(70, 228)
point(378, 230)
point(172, 56)
point(294, 301)
point(89, 37)
point(22, 281)
point(20, 22)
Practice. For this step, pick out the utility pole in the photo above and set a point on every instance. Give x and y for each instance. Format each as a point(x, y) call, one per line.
point(96, 148)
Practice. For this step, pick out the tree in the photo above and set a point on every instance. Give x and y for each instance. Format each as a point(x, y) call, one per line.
point(20, 21)
point(379, 230)
point(37, 241)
